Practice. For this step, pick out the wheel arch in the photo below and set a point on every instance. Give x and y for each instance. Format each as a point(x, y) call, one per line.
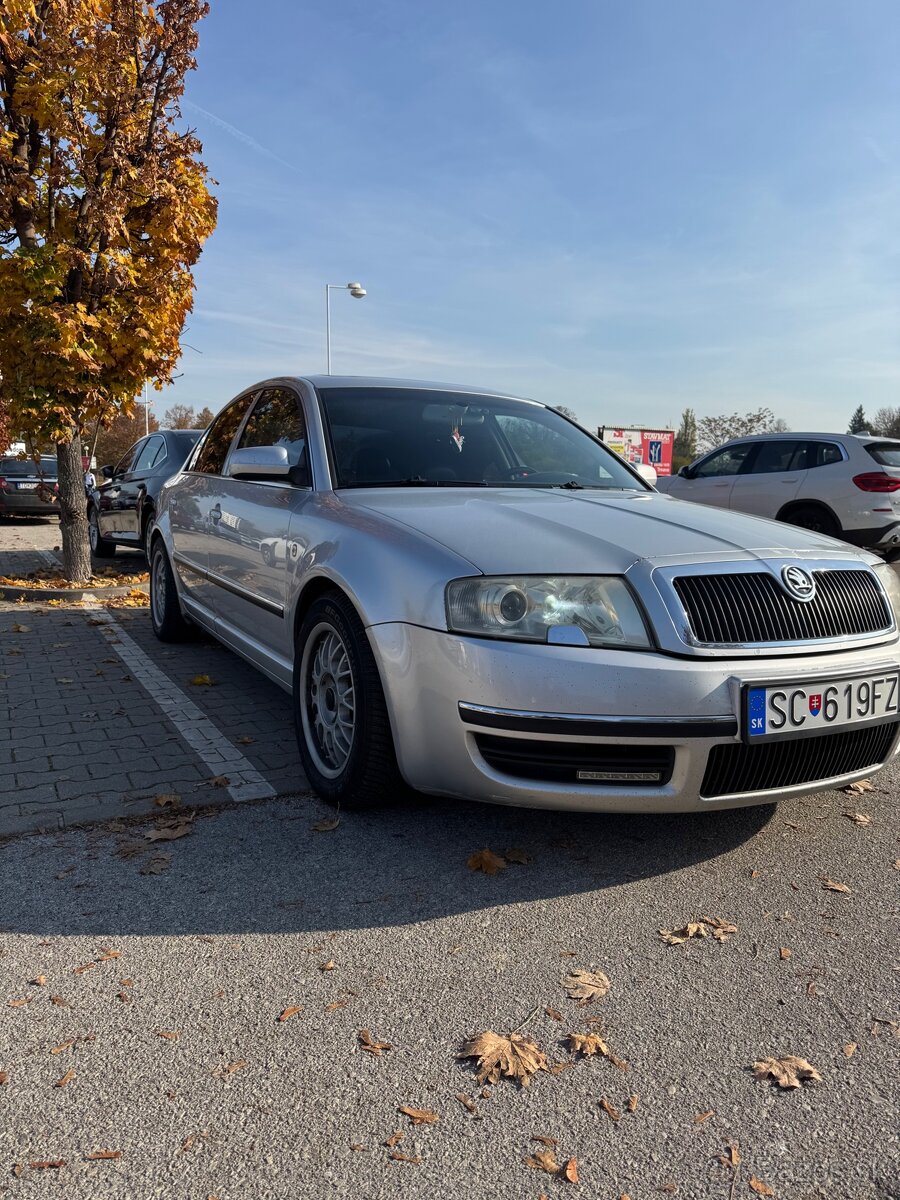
point(792, 506)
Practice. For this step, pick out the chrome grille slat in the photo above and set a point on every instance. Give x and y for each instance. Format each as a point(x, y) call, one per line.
point(751, 608)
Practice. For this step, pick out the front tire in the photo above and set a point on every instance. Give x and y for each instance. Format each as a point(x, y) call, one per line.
point(341, 720)
point(100, 547)
point(169, 624)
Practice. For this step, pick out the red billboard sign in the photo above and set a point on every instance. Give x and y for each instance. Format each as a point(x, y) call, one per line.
point(651, 446)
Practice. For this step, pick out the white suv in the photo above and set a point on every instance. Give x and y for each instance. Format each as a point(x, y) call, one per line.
point(845, 485)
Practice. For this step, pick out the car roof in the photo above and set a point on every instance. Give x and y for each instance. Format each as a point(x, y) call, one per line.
point(376, 381)
point(795, 435)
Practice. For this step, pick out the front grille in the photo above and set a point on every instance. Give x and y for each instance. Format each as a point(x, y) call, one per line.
point(753, 608)
point(736, 768)
point(560, 762)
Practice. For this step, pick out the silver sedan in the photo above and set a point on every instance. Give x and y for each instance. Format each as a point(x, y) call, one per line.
point(466, 593)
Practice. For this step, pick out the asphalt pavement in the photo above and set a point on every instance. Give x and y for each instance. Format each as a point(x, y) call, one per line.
point(146, 963)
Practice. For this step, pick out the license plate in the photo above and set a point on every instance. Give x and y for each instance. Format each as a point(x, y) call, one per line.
point(786, 710)
point(27, 487)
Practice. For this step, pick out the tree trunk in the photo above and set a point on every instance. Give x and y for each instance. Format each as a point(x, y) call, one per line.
point(73, 524)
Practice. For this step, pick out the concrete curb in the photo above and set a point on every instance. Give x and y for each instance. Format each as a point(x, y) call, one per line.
point(86, 593)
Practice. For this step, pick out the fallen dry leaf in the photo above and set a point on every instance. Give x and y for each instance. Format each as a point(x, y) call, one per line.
point(732, 1158)
point(39, 981)
point(357, 1146)
point(156, 865)
point(514, 1056)
point(721, 930)
point(486, 861)
point(328, 966)
point(395, 1139)
point(88, 966)
point(170, 1035)
point(418, 1116)
point(202, 681)
point(784, 952)
point(858, 788)
point(67, 1078)
point(467, 1102)
point(704, 1116)
point(367, 1043)
point(670, 1187)
point(399, 1156)
point(59, 1002)
point(586, 986)
point(108, 955)
point(218, 781)
point(830, 886)
point(858, 818)
point(63, 1046)
point(590, 1044)
point(19, 1003)
point(850, 1049)
point(291, 1011)
point(169, 833)
point(553, 1014)
point(543, 1160)
point(787, 1072)
point(632, 1103)
point(335, 1005)
point(326, 825)
point(246, 740)
point(517, 855)
point(570, 1170)
point(611, 1112)
point(95, 1155)
point(693, 929)
point(760, 1188)
point(167, 800)
point(47, 1164)
point(21, 628)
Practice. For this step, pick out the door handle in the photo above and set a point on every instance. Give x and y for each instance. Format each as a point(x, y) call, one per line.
point(215, 514)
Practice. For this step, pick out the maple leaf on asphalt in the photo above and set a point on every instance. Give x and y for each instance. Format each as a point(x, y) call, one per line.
point(760, 1188)
point(787, 1072)
point(543, 1160)
point(830, 886)
point(858, 818)
point(514, 1056)
point(857, 789)
point(326, 825)
point(418, 1116)
point(486, 861)
point(586, 986)
point(721, 930)
point(367, 1043)
point(169, 833)
point(202, 681)
point(693, 929)
point(590, 1044)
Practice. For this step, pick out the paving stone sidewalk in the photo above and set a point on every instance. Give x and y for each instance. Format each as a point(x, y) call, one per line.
point(98, 718)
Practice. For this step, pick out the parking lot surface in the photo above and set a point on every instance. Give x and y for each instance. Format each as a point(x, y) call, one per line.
point(146, 964)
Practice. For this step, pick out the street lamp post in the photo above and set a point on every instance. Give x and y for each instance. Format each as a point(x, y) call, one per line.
point(357, 291)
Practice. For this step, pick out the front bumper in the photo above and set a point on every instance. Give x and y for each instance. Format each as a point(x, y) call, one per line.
point(452, 697)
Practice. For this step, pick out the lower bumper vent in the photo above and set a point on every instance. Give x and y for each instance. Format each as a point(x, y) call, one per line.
point(737, 768)
point(578, 762)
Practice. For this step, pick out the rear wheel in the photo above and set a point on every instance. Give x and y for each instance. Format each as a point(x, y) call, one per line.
point(100, 547)
point(169, 624)
point(343, 731)
point(811, 516)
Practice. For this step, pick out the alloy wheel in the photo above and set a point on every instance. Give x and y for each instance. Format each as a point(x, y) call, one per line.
point(329, 700)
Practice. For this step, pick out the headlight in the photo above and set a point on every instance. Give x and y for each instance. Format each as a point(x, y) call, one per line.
point(524, 608)
point(888, 579)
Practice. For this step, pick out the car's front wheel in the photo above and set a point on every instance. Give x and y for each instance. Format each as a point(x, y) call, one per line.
point(169, 623)
point(100, 547)
point(340, 715)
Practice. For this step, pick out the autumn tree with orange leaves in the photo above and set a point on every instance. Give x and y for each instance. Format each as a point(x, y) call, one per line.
point(104, 208)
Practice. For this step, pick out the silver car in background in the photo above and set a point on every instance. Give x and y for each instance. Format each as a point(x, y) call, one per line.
point(467, 593)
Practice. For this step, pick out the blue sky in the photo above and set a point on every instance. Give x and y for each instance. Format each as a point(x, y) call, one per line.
point(628, 208)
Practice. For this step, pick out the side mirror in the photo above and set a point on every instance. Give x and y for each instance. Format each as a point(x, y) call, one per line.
point(686, 473)
point(647, 473)
point(259, 462)
point(107, 471)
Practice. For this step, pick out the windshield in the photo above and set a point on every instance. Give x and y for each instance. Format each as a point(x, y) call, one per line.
point(26, 467)
point(383, 437)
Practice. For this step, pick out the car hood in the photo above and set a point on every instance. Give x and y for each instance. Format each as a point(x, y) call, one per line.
point(512, 531)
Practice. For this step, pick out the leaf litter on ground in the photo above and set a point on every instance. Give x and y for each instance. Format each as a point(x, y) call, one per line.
point(704, 927)
point(586, 986)
point(788, 1072)
point(590, 1044)
point(486, 861)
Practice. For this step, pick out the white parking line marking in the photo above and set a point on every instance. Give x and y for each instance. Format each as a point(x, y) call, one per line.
point(245, 782)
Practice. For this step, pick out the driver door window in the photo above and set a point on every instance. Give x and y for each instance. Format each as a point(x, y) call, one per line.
point(712, 480)
point(277, 420)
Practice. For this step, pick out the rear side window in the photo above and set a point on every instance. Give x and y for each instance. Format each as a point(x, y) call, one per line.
point(887, 454)
point(277, 421)
point(217, 442)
